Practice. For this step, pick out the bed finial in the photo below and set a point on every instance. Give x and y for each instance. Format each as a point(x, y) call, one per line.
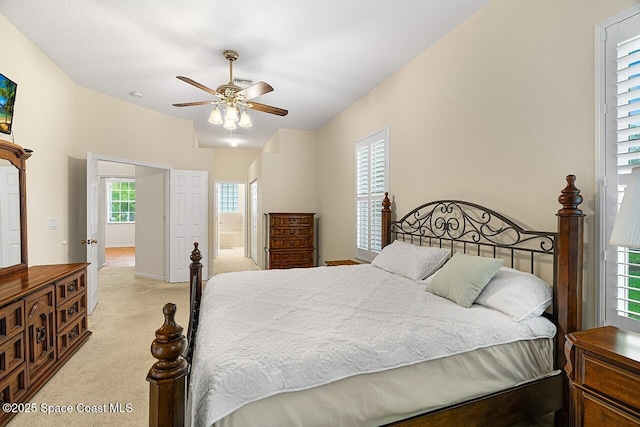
point(168, 374)
point(196, 255)
point(570, 198)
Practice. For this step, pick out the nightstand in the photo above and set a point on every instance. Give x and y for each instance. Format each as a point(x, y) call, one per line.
point(341, 262)
point(603, 366)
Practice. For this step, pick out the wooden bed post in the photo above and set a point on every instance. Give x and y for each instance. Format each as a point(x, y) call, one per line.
point(167, 377)
point(568, 278)
point(386, 220)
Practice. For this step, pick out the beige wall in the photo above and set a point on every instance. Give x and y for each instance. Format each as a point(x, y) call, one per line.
point(232, 164)
point(497, 112)
point(45, 121)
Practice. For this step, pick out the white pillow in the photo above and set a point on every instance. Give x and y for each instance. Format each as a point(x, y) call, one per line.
point(517, 294)
point(409, 260)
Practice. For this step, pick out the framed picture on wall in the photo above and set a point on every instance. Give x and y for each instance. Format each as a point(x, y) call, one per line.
point(7, 101)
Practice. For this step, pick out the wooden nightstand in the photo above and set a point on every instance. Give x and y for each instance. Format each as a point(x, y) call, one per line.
point(603, 366)
point(341, 262)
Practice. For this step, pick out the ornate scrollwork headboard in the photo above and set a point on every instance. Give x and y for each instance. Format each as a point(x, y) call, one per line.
point(471, 228)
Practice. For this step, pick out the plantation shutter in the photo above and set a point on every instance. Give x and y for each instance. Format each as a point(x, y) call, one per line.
point(622, 124)
point(371, 183)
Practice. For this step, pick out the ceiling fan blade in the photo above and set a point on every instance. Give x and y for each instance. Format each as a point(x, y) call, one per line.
point(256, 90)
point(198, 85)
point(191, 104)
point(268, 109)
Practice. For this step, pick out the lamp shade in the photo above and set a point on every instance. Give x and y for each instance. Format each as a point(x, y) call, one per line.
point(229, 124)
point(626, 229)
point(215, 117)
point(245, 120)
point(231, 115)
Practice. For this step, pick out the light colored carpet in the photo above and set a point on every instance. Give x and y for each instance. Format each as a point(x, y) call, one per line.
point(229, 264)
point(112, 366)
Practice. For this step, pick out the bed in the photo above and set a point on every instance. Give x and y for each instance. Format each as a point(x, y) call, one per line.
point(354, 345)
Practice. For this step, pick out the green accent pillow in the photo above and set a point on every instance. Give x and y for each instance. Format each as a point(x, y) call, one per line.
point(463, 277)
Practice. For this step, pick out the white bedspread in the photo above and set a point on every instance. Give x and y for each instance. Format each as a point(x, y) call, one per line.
point(267, 332)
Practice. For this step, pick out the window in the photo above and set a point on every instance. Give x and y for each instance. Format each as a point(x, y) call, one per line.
point(121, 203)
point(372, 172)
point(228, 197)
point(618, 69)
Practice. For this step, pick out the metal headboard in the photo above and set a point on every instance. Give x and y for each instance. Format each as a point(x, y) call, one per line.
point(471, 228)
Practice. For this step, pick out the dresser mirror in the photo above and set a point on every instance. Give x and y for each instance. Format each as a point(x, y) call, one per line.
point(13, 208)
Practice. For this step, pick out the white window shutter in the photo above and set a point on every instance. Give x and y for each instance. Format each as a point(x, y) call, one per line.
point(372, 172)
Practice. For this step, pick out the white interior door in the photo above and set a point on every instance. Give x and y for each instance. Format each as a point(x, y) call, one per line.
point(92, 231)
point(253, 237)
point(189, 209)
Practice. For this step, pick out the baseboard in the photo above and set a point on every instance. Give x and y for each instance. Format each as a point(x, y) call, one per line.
point(148, 276)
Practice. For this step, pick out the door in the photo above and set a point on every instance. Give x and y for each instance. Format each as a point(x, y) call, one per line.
point(254, 221)
point(92, 232)
point(188, 216)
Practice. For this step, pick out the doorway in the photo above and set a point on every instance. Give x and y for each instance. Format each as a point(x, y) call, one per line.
point(231, 219)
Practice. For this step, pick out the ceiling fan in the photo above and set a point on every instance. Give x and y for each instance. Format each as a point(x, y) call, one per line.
point(233, 99)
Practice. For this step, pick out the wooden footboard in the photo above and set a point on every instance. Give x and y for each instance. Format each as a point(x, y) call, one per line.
point(169, 376)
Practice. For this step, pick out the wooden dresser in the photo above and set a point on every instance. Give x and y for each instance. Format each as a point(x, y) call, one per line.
point(43, 322)
point(603, 366)
point(291, 240)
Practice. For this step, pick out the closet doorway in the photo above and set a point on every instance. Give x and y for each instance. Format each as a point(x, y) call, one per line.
point(231, 219)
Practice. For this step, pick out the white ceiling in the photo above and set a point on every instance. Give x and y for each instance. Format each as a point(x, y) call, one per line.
point(320, 56)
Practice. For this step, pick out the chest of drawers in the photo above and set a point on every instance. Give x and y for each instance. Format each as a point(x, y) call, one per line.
point(43, 322)
point(291, 240)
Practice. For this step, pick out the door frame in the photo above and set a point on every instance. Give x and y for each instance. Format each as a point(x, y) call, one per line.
point(166, 168)
point(216, 236)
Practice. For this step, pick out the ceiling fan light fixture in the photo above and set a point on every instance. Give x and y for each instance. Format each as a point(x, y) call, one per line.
point(231, 114)
point(229, 124)
point(215, 117)
point(245, 120)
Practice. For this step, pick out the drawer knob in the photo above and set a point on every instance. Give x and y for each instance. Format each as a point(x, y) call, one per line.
point(72, 310)
point(73, 333)
point(41, 333)
point(72, 287)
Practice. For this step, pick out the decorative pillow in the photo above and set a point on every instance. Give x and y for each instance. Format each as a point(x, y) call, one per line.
point(462, 278)
point(517, 294)
point(409, 260)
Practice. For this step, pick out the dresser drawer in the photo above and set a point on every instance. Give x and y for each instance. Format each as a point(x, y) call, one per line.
point(14, 386)
point(71, 311)
point(294, 243)
point(69, 336)
point(11, 320)
point(290, 220)
point(11, 354)
point(288, 232)
point(597, 413)
point(69, 287)
point(290, 259)
point(611, 381)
